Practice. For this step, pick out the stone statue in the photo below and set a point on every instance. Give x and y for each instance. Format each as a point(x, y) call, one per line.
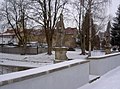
point(60, 32)
point(60, 50)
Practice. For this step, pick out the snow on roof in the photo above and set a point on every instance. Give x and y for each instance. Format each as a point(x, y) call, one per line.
point(7, 34)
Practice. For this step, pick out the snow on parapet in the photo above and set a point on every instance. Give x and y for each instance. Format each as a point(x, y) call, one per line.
point(23, 75)
point(104, 56)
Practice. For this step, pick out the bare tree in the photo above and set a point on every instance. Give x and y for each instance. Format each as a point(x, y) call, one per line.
point(46, 14)
point(78, 12)
point(14, 13)
point(96, 11)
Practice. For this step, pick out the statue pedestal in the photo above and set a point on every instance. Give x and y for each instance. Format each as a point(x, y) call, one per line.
point(60, 54)
point(107, 50)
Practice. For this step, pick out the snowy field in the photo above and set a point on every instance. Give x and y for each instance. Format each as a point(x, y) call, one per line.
point(32, 61)
point(110, 80)
point(46, 58)
point(40, 59)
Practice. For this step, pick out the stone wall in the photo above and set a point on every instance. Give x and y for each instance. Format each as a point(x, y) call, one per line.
point(9, 69)
point(18, 50)
point(99, 65)
point(65, 75)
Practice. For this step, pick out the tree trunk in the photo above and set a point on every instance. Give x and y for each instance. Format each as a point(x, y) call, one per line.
point(82, 44)
point(90, 27)
point(49, 42)
point(24, 49)
point(49, 48)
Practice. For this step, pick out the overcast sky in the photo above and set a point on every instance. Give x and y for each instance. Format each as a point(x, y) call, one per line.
point(114, 6)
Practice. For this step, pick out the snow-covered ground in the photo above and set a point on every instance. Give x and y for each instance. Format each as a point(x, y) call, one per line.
point(28, 60)
point(110, 80)
point(40, 59)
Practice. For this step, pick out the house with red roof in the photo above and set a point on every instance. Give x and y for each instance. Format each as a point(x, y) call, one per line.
point(8, 37)
point(39, 35)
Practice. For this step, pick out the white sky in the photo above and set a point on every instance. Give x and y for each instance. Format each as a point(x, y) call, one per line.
point(113, 7)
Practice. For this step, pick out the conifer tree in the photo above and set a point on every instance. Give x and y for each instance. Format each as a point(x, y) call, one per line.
point(115, 32)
